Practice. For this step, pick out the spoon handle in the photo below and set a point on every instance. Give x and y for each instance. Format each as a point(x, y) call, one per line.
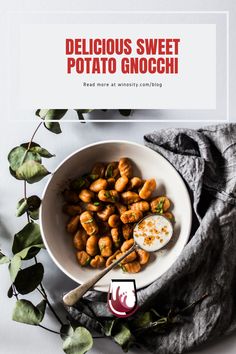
point(74, 295)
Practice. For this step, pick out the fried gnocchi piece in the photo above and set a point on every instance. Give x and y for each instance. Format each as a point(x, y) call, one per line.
point(143, 256)
point(114, 220)
point(112, 258)
point(126, 245)
point(132, 267)
point(121, 208)
point(92, 245)
point(73, 224)
point(125, 167)
point(115, 235)
point(147, 189)
point(121, 183)
point(119, 254)
point(70, 196)
point(135, 183)
point(130, 258)
point(83, 258)
point(169, 216)
point(130, 216)
point(127, 231)
point(80, 240)
point(112, 170)
point(106, 212)
point(130, 197)
point(86, 195)
point(109, 196)
point(160, 205)
point(98, 170)
point(88, 222)
point(142, 206)
point(97, 262)
point(95, 206)
point(72, 210)
point(105, 246)
point(98, 185)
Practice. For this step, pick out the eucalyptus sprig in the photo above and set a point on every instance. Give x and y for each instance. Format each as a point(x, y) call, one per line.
point(26, 165)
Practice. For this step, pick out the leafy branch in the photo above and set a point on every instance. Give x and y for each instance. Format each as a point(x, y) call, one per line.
point(25, 163)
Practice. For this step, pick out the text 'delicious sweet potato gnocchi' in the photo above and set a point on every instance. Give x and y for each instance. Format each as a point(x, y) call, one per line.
point(103, 207)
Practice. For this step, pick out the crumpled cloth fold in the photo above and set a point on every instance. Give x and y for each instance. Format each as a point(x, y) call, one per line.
point(206, 160)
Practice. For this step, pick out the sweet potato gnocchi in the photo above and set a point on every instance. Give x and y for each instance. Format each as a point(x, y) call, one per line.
point(103, 207)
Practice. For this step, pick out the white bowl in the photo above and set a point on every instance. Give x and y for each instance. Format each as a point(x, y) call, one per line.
point(148, 164)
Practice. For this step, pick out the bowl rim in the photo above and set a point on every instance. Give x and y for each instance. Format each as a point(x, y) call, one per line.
point(103, 142)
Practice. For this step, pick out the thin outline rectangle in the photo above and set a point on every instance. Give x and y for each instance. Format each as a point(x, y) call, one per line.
point(226, 13)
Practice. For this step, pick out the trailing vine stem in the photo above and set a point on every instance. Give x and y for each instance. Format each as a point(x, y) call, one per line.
point(41, 290)
point(48, 329)
point(34, 133)
point(49, 304)
point(27, 150)
point(25, 197)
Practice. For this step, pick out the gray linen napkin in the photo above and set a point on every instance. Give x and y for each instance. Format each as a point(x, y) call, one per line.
point(206, 159)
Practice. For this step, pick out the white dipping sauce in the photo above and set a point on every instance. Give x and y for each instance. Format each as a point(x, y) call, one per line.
point(153, 232)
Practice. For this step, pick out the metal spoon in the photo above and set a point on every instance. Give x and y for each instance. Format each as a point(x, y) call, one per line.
point(151, 234)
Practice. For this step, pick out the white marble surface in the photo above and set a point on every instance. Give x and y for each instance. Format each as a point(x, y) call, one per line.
point(22, 339)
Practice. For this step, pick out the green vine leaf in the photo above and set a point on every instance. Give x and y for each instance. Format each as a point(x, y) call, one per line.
point(30, 252)
point(108, 327)
point(10, 292)
point(81, 111)
point(49, 115)
point(84, 110)
point(28, 241)
point(25, 163)
point(32, 144)
point(19, 155)
point(14, 267)
point(54, 127)
point(143, 320)
point(26, 253)
point(33, 202)
point(26, 312)
point(31, 172)
point(22, 207)
point(30, 204)
point(42, 152)
point(34, 214)
point(28, 279)
point(4, 259)
point(37, 150)
point(125, 112)
point(119, 332)
point(124, 337)
point(77, 341)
